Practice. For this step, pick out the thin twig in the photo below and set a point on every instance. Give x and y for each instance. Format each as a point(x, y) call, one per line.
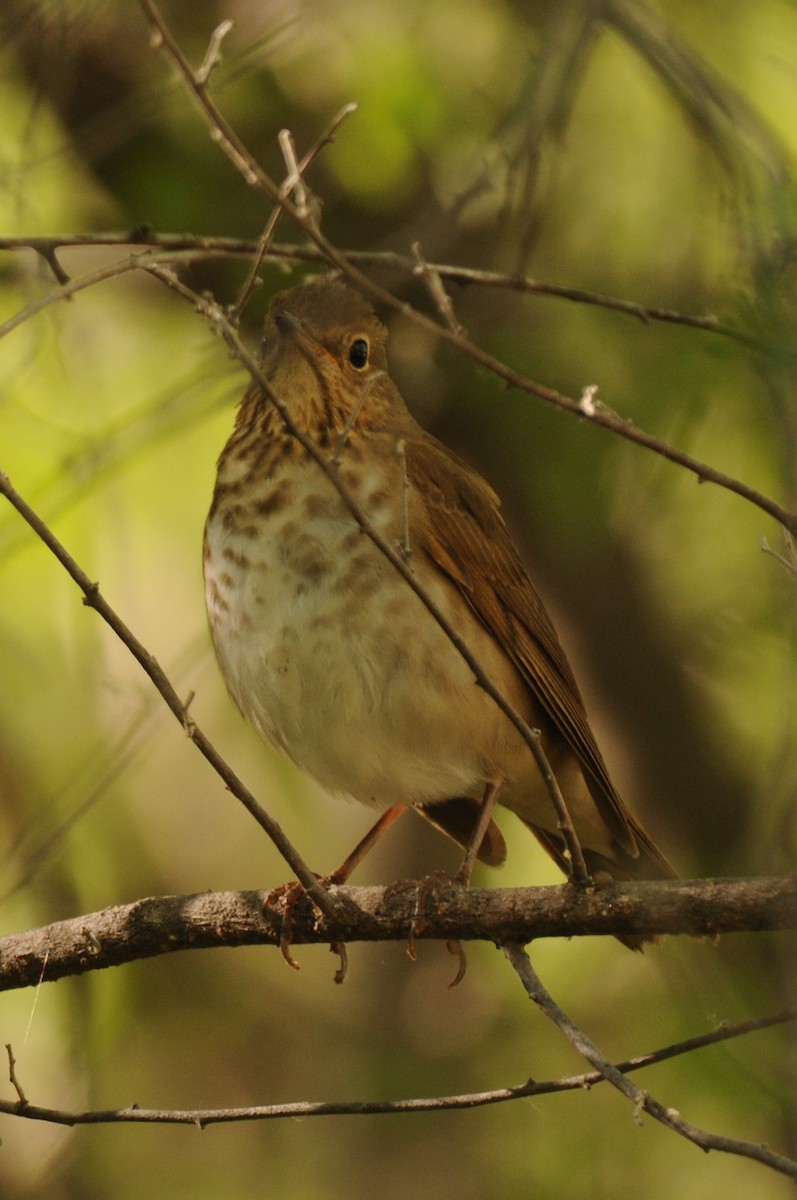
point(359, 1108)
point(213, 55)
point(642, 1100)
point(434, 286)
point(788, 560)
point(94, 599)
point(265, 239)
point(254, 175)
point(293, 252)
point(12, 1076)
point(294, 182)
point(405, 546)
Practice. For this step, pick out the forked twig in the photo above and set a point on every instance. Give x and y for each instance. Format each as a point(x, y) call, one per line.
point(434, 286)
point(294, 179)
point(48, 245)
point(254, 175)
point(642, 1100)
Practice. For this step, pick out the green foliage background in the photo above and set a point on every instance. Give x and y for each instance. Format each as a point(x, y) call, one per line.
point(642, 151)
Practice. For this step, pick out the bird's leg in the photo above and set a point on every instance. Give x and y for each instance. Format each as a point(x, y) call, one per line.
point(288, 895)
point(491, 794)
point(365, 844)
point(428, 886)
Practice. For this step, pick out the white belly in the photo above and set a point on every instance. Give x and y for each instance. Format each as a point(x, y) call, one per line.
point(332, 658)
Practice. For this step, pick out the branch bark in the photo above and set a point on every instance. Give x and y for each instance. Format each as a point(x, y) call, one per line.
point(164, 924)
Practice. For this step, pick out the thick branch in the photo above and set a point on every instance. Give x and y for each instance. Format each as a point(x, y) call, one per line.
point(164, 924)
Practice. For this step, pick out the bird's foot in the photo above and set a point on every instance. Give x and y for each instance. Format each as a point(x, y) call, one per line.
point(284, 900)
point(428, 892)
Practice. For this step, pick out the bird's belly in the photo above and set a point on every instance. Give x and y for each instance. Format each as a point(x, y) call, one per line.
point(330, 655)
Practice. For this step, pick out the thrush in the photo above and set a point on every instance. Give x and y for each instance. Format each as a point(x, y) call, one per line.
point(333, 658)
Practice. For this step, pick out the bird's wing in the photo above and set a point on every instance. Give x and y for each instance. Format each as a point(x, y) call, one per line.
point(465, 535)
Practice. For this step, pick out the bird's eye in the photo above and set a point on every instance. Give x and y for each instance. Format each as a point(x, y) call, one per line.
point(358, 353)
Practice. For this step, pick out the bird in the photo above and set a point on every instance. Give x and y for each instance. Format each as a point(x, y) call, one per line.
point(334, 659)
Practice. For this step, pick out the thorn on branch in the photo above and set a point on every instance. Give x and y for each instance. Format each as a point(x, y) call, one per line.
point(456, 948)
point(339, 948)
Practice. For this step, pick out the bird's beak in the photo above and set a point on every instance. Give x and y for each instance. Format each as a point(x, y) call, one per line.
point(293, 329)
point(288, 324)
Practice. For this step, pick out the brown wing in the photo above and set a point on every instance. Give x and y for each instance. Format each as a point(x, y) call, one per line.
point(466, 536)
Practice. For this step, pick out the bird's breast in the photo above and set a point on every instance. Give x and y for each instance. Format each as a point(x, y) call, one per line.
point(328, 652)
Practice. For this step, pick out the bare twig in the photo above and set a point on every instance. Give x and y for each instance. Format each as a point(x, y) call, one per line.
point(165, 924)
point(94, 599)
point(294, 182)
point(213, 55)
point(642, 1100)
point(254, 175)
point(265, 239)
point(12, 1076)
point(787, 560)
point(434, 286)
point(292, 252)
point(202, 1117)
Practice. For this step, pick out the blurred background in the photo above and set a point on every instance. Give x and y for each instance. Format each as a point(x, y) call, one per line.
point(641, 151)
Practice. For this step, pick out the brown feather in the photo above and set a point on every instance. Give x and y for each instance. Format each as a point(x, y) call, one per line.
point(466, 536)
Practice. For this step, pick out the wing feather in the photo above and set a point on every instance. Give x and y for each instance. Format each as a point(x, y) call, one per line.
point(465, 534)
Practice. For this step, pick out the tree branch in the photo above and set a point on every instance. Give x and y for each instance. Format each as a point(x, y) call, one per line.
point(93, 598)
point(254, 175)
point(165, 924)
point(642, 1100)
point(295, 252)
point(188, 248)
point(360, 1108)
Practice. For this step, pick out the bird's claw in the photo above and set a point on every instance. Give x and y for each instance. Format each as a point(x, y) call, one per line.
point(285, 899)
point(431, 886)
